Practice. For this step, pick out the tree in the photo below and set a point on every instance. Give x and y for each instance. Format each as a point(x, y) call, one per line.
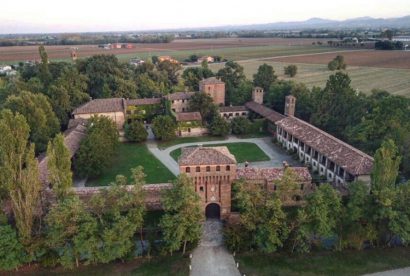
point(323, 211)
point(264, 77)
point(97, 148)
point(203, 103)
point(291, 70)
point(12, 253)
point(19, 173)
point(44, 71)
point(164, 127)
point(232, 74)
point(385, 167)
point(181, 222)
point(193, 75)
point(171, 69)
point(136, 132)
point(240, 125)
point(219, 127)
point(59, 166)
point(337, 63)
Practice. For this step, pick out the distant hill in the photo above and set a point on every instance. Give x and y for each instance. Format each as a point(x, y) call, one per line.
point(320, 23)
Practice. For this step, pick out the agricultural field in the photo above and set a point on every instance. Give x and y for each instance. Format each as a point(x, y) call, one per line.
point(365, 79)
point(231, 48)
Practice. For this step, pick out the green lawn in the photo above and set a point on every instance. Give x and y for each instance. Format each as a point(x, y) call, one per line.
point(243, 151)
point(395, 81)
point(129, 156)
point(183, 140)
point(324, 263)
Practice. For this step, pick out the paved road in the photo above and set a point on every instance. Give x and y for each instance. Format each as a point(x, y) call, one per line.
point(211, 258)
point(396, 272)
point(276, 154)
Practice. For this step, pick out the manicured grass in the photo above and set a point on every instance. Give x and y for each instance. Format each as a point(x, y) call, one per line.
point(395, 81)
point(243, 151)
point(183, 140)
point(324, 263)
point(130, 156)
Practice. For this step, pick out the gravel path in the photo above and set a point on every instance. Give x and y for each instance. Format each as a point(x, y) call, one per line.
point(397, 272)
point(211, 258)
point(276, 154)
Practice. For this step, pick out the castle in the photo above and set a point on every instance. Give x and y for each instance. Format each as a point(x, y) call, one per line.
point(214, 169)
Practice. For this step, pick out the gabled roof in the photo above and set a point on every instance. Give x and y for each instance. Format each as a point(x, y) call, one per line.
point(240, 108)
point(211, 80)
point(349, 158)
point(144, 101)
point(188, 116)
point(101, 106)
point(272, 174)
point(180, 96)
point(192, 156)
point(264, 111)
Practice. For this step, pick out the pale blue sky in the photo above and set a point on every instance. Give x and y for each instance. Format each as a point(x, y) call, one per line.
point(103, 15)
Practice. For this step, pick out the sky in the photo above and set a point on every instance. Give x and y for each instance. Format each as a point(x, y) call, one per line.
point(39, 16)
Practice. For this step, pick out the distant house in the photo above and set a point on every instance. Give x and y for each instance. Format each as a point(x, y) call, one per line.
point(7, 70)
point(208, 59)
point(167, 58)
point(190, 124)
point(136, 62)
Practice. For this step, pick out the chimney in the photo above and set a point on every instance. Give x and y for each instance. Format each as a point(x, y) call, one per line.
point(290, 106)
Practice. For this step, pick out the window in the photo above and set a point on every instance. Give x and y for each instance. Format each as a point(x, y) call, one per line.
point(173, 101)
point(302, 186)
point(188, 169)
point(208, 169)
point(243, 113)
point(189, 129)
point(218, 168)
point(236, 114)
point(198, 169)
point(228, 168)
point(201, 188)
point(183, 109)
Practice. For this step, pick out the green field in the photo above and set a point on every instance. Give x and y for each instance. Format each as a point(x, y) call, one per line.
point(346, 263)
point(242, 151)
point(395, 81)
point(183, 140)
point(129, 156)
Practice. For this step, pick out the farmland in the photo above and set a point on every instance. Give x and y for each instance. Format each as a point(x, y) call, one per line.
point(232, 48)
point(395, 81)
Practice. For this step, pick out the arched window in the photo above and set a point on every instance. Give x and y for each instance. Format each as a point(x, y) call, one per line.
point(208, 169)
point(198, 169)
point(218, 168)
point(188, 169)
point(228, 168)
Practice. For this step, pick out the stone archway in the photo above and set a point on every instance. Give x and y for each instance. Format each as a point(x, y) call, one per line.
point(213, 211)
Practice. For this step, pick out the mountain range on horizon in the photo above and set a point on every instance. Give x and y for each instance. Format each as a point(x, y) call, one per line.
point(13, 27)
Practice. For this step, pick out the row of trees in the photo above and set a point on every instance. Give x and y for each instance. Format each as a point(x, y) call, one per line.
point(369, 216)
point(70, 231)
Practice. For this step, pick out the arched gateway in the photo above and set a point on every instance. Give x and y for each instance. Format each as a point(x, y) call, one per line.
point(213, 211)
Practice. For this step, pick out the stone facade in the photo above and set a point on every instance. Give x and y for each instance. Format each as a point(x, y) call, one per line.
point(257, 95)
point(230, 112)
point(290, 105)
point(180, 101)
point(214, 88)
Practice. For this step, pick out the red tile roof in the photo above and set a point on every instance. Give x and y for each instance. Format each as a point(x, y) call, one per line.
point(101, 106)
point(349, 158)
point(188, 116)
point(272, 174)
point(192, 156)
point(144, 101)
point(180, 96)
point(264, 111)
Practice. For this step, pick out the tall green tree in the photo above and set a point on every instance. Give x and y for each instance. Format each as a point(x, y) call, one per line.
point(59, 166)
point(202, 103)
point(193, 75)
point(264, 77)
point(232, 74)
point(19, 173)
point(164, 127)
point(136, 132)
point(44, 71)
point(181, 222)
point(219, 126)
point(39, 115)
point(98, 148)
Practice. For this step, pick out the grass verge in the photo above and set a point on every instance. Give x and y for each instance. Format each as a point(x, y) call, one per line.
point(130, 156)
point(325, 263)
point(183, 140)
point(243, 151)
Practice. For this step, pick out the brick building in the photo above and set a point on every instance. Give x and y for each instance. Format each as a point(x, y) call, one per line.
point(214, 88)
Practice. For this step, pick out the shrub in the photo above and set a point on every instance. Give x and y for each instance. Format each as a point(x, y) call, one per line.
point(164, 127)
point(291, 70)
point(240, 125)
point(135, 132)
